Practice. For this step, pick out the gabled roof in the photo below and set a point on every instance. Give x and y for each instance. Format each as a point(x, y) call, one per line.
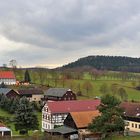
point(72, 106)
point(30, 91)
point(4, 90)
point(56, 92)
point(83, 119)
point(131, 109)
point(7, 75)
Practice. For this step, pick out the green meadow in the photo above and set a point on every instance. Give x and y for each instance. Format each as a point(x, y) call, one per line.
point(46, 79)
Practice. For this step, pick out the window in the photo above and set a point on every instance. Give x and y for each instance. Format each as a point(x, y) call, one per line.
point(132, 124)
point(135, 125)
point(48, 126)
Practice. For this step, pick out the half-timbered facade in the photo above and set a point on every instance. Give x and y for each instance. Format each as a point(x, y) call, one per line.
point(55, 112)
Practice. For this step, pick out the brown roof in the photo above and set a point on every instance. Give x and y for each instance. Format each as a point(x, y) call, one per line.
point(131, 108)
point(84, 118)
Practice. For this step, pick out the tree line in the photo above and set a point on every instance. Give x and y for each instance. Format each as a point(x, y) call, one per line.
point(114, 63)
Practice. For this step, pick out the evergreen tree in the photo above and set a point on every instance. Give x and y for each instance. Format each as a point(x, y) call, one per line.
point(27, 77)
point(110, 119)
point(25, 117)
point(14, 104)
point(2, 85)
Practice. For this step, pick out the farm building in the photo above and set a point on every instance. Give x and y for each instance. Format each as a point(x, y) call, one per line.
point(31, 94)
point(59, 94)
point(131, 116)
point(55, 112)
point(76, 124)
point(7, 77)
point(10, 93)
point(4, 131)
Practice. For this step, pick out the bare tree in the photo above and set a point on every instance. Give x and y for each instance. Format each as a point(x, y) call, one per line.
point(104, 88)
point(87, 86)
point(122, 93)
point(13, 63)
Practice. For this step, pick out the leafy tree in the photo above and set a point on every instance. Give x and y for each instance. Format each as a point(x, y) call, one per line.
point(27, 77)
point(110, 119)
point(122, 93)
point(87, 85)
point(104, 88)
point(114, 89)
point(25, 117)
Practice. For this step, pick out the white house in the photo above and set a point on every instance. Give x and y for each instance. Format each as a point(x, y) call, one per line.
point(55, 112)
point(7, 77)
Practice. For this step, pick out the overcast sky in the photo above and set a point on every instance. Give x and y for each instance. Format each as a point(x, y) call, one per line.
point(55, 32)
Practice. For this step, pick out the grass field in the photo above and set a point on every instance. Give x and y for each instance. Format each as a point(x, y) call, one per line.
point(49, 78)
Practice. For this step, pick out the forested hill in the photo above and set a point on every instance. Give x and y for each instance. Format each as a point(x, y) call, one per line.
point(115, 63)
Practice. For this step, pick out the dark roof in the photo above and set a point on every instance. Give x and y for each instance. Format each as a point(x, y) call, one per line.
point(4, 90)
point(7, 75)
point(30, 91)
point(72, 106)
point(131, 109)
point(57, 92)
point(63, 130)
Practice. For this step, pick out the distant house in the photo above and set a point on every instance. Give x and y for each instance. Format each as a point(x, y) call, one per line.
point(4, 131)
point(31, 94)
point(59, 94)
point(55, 112)
point(10, 93)
point(131, 116)
point(7, 77)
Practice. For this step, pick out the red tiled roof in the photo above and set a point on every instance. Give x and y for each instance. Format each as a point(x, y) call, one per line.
point(72, 106)
point(7, 75)
point(131, 108)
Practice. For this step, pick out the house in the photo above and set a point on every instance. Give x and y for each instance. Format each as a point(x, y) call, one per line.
point(7, 77)
point(55, 112)
point(131, 116)
point(10, 93)
point(31, 94)
point(59, 94)
point(76, 124)
point(4, 131)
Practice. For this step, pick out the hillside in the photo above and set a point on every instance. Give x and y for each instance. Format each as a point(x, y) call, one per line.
point(114, 63)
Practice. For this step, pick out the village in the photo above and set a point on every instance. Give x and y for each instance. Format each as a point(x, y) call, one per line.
point(63, 115)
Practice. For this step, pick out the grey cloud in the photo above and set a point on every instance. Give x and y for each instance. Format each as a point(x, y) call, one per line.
point(69, 25)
